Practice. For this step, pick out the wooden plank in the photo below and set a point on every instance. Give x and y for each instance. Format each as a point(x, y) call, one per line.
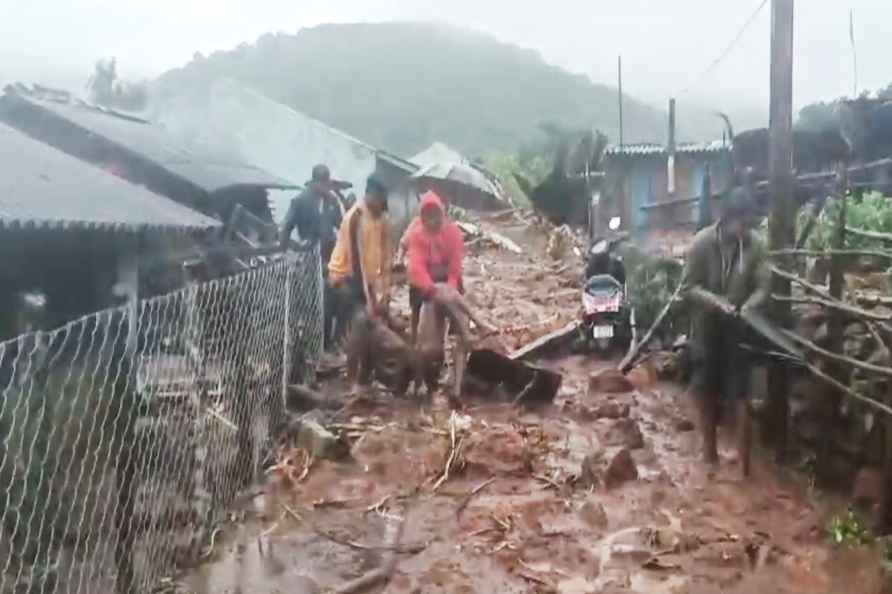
point(546, 344)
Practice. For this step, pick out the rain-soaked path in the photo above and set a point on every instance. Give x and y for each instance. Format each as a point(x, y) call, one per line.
point(535, 527)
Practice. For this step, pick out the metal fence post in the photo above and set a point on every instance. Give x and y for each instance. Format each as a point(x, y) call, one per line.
point(287, 338)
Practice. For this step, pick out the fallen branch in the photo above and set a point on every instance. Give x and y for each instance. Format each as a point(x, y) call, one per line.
point(769, 332)
point(827, 253)
point(820, 292)
point(886, 371)
point(453, 453)
point(500, 214)
point(403, 550)
point(848, 391)
point(503, 242)
point(837, 305)
point(381, 575)
point(526, 390)
point(876, 235)
point(873, 300)
point(464, 503)
point(626, 364)
point(548, 481)
point(547, 343)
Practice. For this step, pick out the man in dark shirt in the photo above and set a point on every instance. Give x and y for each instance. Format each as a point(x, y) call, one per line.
point(316, 213)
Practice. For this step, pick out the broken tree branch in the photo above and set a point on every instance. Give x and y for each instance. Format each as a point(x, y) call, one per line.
point(763, 327)
point(453, 453)
point(848, 391)
point(464, 502)
point(836, 305)
point(629, 360)
point(875, 235)
point(886, 371)
point(802, 282)
point(828, 253)
point(401, 549)
point(380, 576)
point(873, 300)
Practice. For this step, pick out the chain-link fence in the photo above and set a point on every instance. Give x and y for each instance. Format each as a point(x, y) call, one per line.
point(126, 435)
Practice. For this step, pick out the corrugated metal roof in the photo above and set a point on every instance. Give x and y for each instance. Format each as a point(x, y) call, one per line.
point(648, 149)
point(41, 186)
point(199, 166)
point(438, 152)
point(397, 162)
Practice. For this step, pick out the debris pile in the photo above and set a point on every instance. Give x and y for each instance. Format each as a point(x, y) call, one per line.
point(596, 490)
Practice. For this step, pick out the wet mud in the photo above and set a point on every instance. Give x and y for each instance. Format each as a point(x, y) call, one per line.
point(529, 504)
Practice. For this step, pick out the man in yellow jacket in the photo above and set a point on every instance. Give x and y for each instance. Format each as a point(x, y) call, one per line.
point(360, 265)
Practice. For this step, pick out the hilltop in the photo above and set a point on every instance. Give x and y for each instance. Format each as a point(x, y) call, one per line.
point(402, 86)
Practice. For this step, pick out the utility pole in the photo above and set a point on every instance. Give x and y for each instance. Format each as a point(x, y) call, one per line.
point(670, 159)
point(781, 229)
point(619, 76)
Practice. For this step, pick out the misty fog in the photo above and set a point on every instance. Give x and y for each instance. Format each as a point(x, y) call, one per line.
point(58, 42)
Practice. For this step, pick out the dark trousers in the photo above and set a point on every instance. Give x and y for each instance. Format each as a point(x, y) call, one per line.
point(340, 304)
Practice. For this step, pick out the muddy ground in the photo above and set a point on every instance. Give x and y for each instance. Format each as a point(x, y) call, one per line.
point(597, 493)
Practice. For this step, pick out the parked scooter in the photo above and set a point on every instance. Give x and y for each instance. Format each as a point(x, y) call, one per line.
point(608, 319)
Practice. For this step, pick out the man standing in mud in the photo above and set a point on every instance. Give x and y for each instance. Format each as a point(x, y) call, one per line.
point(316, 214)
point(726, 275)
point(359, 269)
point(435, 249)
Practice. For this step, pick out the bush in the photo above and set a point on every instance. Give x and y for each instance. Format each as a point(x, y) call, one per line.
point(651, 282)
point(508, 167)
point(849, 530)
point(872, 212)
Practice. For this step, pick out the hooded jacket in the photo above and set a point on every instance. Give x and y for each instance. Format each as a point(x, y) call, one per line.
point(435, 257)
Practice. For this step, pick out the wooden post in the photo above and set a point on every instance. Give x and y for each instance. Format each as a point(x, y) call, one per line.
point(835, 335)
point(619, 74)
point(883, 521)
point(783, 214)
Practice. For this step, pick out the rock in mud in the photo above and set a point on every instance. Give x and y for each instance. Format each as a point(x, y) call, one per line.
point(684, 425)
point(320, 442)
point(608, 381)
point(611, 410)
point(610, 468)
point(594, 515)
point(643, 377)
point(626, 433)
point(621, 469)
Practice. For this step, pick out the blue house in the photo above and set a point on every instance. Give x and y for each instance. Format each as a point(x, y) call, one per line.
point(653, 190)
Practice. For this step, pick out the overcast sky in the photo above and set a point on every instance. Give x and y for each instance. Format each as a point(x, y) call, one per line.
point(666, 45)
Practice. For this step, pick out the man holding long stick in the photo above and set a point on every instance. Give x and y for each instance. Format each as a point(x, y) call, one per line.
point(726, 274)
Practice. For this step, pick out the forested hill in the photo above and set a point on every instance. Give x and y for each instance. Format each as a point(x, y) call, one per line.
point(401, 86)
